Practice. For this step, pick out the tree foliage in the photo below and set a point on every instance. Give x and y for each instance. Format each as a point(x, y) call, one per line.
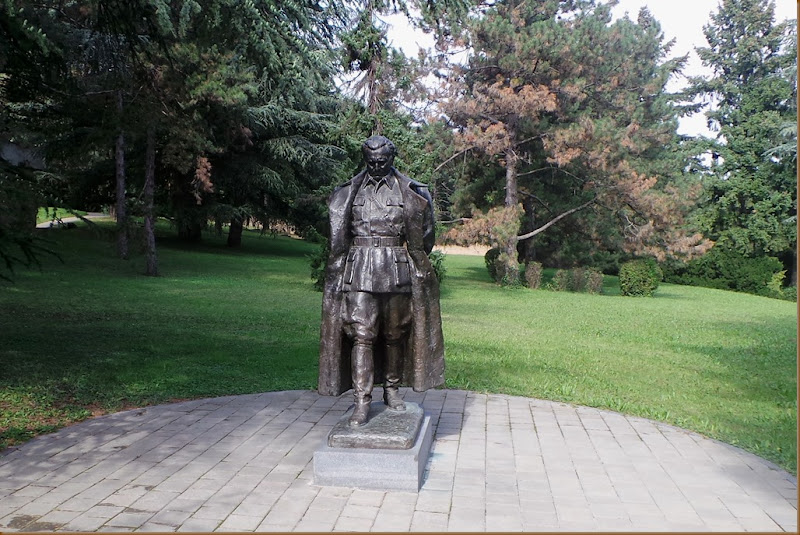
point(556, 141)
point(750, 201)
point(220, 87)
point(571, 106)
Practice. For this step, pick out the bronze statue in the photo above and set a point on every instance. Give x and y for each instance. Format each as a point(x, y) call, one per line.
point(380, 311)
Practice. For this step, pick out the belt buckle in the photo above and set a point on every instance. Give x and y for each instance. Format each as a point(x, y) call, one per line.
point(376, 241)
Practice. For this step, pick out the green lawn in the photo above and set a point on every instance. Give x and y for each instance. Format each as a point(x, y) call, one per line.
point(51, 213)
point(92, 334)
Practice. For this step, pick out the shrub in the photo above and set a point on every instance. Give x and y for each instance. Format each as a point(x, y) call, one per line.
point(437, 261)
point(728, 269)
point(560, 282)
point(490, 258)
point(775, 285)
point(639, 277)
point(577, 279)
point(594, 281)
point(319, 263)
point(789, 293)
point(533, 275)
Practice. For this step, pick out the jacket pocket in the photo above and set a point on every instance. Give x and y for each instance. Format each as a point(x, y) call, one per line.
point(347, 278)
point(401, 267)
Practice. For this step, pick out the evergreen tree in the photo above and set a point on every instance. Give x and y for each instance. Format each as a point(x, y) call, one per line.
point(572, 107)
point(750, 203)
point(382, 76)
point(169, 89)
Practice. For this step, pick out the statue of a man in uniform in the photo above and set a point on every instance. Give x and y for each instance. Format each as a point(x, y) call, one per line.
point(381, 321)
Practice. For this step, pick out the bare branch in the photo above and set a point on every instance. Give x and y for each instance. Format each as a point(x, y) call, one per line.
point(453, 157)
point(555, 220)
point(520, 143)
point(526, 173)
point(537, 199)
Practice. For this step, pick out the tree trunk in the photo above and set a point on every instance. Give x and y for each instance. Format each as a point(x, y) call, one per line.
point(373, 104)
point(235, 232)
point(190, 218)
point(149, 191)
point(121, 211)
point(511, 259)
point(526, 248)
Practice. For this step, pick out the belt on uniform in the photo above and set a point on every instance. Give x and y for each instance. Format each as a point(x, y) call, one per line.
point(378, 241)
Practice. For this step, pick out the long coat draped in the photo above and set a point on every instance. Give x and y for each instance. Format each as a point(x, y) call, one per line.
point(423, 365)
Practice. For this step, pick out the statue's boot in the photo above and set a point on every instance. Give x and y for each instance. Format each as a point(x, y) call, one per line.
point(391, 383)
point(363, 370)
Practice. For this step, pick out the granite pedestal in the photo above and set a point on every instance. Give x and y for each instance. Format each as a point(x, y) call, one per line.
point(404, 442)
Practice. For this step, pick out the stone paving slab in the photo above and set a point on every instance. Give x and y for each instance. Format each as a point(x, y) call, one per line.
point(498, 463)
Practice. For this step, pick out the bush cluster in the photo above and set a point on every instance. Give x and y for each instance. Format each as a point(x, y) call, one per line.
point(490, 258)
point(437, 261)
point(579, 279)
point(640, 277)
point(533, 275)
point(560, 282)
point(728, 269)
point(594, 281)
point(319, 263)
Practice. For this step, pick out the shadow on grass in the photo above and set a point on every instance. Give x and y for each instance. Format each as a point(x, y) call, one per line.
point(750, 364)
point(95, 332)
point(253, 243)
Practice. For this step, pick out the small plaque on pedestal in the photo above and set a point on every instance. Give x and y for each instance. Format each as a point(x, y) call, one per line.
point(389, 452)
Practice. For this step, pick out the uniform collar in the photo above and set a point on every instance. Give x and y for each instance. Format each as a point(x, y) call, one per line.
point(388, 180)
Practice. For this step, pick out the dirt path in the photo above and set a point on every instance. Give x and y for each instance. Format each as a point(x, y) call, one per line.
point(472, 250)
point(63, 221)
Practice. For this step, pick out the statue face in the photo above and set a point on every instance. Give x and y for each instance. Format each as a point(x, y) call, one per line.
point(379, 162)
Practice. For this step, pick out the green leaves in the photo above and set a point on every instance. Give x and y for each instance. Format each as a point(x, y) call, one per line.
point(752, 187)
point(575, 106)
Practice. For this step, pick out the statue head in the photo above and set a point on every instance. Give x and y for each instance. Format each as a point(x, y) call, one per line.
point(379, 153)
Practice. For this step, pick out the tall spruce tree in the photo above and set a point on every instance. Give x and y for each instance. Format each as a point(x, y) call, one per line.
point(750, 203)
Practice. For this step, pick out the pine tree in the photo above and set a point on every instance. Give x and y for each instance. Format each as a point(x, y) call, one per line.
point(572, 106)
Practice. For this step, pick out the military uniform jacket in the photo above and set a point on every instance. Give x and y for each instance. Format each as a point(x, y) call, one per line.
point(424, 348)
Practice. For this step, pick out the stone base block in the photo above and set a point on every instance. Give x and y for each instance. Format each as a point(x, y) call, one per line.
point(385, 428)
point(374, 469)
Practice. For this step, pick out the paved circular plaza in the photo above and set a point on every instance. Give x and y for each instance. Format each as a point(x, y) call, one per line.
point(498, 463)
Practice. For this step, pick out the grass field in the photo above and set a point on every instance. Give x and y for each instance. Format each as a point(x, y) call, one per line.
point(92, 335)
point(51, 213)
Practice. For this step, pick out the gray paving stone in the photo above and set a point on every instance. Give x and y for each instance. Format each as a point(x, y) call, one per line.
point(362, 511)
point(392, 522)
point(84, 522)
point(237, 522)
point(129, 520)
point(315, 526)
point(466, 519)
point(349, 523)
point(372, 498)
point(199, 524)
point(502, 463)
point(427, 521)
point(151, 527)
